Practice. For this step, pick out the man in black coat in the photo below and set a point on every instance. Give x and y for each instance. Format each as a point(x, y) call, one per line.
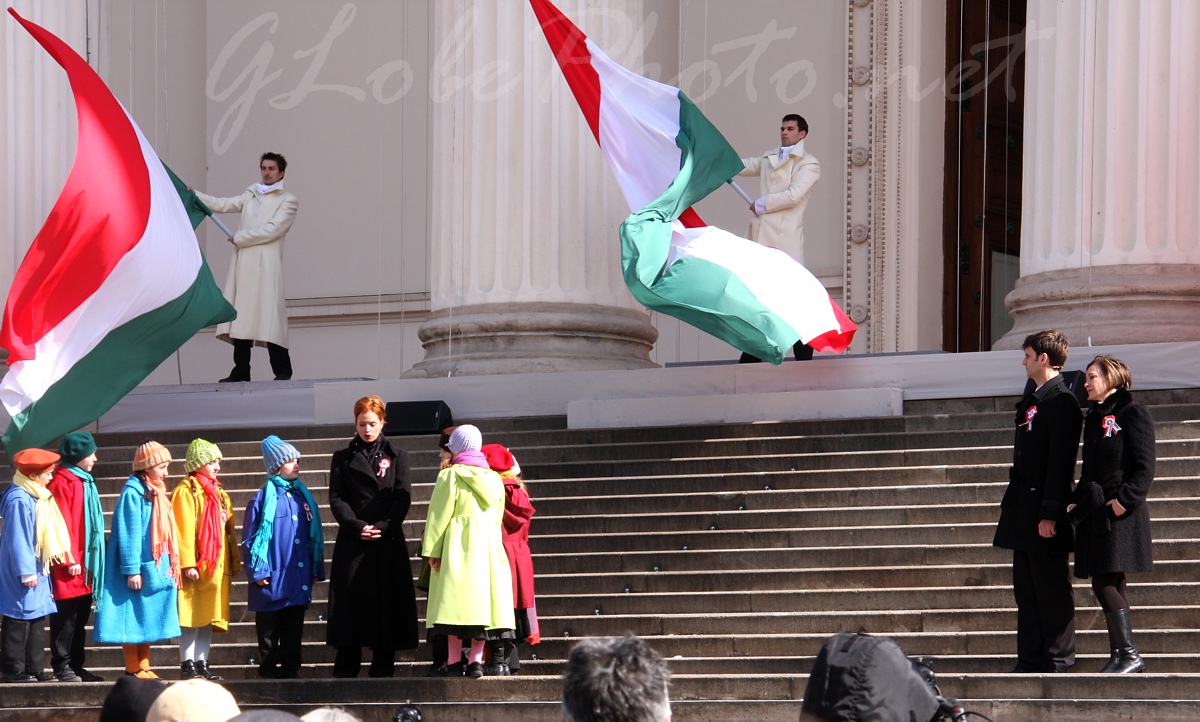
point(1033, 521)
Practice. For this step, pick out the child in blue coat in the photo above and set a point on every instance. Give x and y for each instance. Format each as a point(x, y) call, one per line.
point(283, 550)
point(33, 537)
point(141, 570)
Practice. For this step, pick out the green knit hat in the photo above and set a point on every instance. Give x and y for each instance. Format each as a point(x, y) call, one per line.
point(199, 453)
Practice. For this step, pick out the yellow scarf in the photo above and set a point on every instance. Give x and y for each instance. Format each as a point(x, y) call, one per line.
point(53, 542)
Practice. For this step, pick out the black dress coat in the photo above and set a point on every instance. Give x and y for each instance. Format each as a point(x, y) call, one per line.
point(371, 598)
point(1118, 463)
point(1039, 481)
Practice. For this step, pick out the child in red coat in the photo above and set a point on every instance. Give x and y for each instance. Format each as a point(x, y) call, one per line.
point(76, 581)
point(503, 658)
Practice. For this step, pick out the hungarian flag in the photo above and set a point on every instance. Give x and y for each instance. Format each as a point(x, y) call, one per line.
point(114, 282)
point(666, 156)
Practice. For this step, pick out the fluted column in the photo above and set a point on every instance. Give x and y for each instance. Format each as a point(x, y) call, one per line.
point(1111, 233)
point(525, 271)
point(38, 120)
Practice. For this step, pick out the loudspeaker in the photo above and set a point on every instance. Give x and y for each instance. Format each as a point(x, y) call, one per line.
point(409, 418)
point(1073, 380)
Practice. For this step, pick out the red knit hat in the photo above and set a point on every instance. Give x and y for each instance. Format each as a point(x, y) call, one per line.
point(498, 457)
point(32, 462)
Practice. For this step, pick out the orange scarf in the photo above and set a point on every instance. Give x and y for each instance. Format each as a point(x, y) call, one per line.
point(164, 536)
point(210, 529)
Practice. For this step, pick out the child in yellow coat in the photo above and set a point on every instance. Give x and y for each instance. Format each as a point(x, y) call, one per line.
point(207, 556)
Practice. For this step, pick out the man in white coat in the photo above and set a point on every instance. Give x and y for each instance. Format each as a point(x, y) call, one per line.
point(787, 176)
point(255, 282)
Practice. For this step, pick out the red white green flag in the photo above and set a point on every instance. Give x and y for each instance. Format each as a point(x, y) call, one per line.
point(114, 282)
point(667, 156)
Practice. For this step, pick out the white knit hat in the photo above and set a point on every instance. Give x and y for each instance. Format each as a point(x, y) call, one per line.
point(465, 438)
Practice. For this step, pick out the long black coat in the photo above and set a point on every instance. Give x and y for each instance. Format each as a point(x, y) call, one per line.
point(1119, 456)
point(1043, 469)
point(371, 597)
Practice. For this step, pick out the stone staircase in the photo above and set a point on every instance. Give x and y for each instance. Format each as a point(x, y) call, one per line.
point(736, 550)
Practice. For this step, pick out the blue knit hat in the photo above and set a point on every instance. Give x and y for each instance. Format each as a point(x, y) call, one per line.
point(277, 452)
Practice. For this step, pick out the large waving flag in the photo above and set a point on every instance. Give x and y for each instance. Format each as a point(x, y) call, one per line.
point(666, 156)
point(114, 282)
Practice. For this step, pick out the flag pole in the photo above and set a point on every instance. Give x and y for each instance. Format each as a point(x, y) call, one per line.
point(736, 187)
point(229, 234)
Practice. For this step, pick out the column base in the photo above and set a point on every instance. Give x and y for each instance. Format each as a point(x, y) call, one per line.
point(520, 338)
point(1146, 303)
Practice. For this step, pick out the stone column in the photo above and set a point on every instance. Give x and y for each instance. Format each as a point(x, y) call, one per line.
point(525, 273)
point(1111, 233)
point(37, 115)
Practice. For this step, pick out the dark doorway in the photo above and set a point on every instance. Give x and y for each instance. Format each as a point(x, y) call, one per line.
point(985, 93)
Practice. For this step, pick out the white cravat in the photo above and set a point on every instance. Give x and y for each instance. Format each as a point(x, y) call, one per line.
point(267, 189)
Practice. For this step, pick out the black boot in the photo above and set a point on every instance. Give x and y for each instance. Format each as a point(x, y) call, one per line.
point(187, 670)
point(241, 361)
point(1125, 658)
point(202, 670)
point(497, 665)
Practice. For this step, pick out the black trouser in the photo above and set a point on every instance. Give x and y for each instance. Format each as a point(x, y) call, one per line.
point(348, 660)
point(803, 352)
point(1045, 611)
point(67, 636)
point(23, 645)
point(281, 360)
point(279, 641)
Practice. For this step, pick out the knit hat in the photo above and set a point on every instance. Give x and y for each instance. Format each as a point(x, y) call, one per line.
point(199, 453)
point(149, 455)
point(498, 457)
point(277, 452)
point(32, 462)
point(465, 438)
point(130, 698)
point(76, 446)
point(193, 699)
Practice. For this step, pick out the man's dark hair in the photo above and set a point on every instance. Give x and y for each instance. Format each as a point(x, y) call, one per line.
point(1052, 343)
point(801, 123)
point(279, 160)
point(615, 679)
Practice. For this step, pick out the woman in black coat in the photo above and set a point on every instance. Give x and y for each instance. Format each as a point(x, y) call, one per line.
point(1109, 503)
point(371, 598)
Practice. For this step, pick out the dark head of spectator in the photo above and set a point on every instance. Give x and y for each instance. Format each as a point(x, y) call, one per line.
point(615, 679)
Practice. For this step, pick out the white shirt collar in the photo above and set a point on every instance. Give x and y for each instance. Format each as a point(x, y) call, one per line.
point(267, 189)
point(786, 150)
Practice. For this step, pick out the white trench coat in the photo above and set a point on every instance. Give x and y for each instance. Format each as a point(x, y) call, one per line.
point(255, 282)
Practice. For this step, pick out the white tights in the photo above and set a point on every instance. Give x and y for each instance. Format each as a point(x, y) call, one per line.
point(194, 643)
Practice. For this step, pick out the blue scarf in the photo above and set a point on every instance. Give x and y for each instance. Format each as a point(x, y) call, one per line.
point(266, 524)
point(93, 532)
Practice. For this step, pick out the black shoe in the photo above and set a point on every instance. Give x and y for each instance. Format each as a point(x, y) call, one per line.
point(203, 671)
point(474, 670)
point(268, 672)
point(283, 674)
point(284, 378)
point(446, 670)
point(45, 677)
point(68, 675)
point(188, 670)
point(87, 676)
point(17, 678)
point(235, 375)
